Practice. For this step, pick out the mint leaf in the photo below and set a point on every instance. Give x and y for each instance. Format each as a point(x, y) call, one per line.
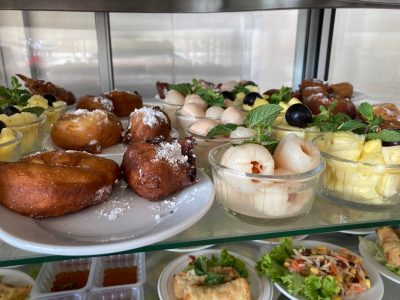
point(221, 129)
point(210, 96)
point(367, 111)
point(385, 135)
point(183, 88)
point(262, 117)
point(34, 110)
point(284, 95)
point(351, 125)
point(200, 266)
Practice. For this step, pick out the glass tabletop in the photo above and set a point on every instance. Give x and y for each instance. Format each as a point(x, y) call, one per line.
point(217, 227)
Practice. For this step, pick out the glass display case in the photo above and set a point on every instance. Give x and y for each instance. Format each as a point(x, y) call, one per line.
point(92, 47)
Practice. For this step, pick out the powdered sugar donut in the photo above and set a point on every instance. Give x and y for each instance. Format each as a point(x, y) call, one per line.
point(85, 130)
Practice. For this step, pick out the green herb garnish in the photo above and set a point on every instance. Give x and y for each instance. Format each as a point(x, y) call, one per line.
point(202, 266)
point(262, 117)
point(34, 110)
point(14, 95)
point(284, 95)
point(207, 94)
point(327, 121)
point(183, 88)
point(222, 129)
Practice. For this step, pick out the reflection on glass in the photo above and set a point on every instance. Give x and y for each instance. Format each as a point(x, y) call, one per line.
point(366, 51)
point(60, 47)
point(13, 50)
point(216, 47)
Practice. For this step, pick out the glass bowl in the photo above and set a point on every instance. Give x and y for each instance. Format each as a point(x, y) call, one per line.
point(10, 149)
point(204, 145)
point(53, 114)
point(170, 110)
point(32, 134)
point(358, 184)
point(280, 131)
point(263, 198)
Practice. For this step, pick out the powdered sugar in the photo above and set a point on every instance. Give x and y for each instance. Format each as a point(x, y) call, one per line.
point(105, 102)
point(171, 152)
point(102, 193)
point(151, 117)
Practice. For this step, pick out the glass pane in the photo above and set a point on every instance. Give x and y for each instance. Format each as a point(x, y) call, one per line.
point(366, 51)
point(60, 47)
point(13, 50)
point(216, 47)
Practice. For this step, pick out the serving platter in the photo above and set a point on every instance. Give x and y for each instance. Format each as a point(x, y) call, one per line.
point(369, 256)
point(126, 221)
point(261, 288)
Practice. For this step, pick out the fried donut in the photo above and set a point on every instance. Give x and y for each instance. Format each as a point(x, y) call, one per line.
point(85, 130)
point(156, 168)
point(90, 102)
point(124, 102)
point(148, 122)
point(55, 183)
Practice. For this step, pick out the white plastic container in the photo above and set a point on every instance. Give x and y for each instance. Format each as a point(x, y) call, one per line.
point(48, 273)
point(119, 261)
point(125, 293)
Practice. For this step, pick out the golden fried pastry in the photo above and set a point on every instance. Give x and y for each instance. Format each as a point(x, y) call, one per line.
point(343, 89)
point(156, 168)
point(56, 183)
point(41, 87)
point(90, 102)
point(85, 130)
point(390, 114)
point(148, 122)
point(124, 102)
point(390, 244)
point(10, 292)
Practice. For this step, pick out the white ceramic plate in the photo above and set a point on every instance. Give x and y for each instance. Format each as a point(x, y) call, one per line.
point(15, 277)
point(369, 257)
point(126, 221)
point(190, 249)
point(115, 152)
point(261, 288)
point(374, 293)
point(276, 241)
point(360, 231)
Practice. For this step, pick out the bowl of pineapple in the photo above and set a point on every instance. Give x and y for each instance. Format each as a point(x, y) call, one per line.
point(361, 171)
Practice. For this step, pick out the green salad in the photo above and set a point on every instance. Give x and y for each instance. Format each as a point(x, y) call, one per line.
point(316, 273)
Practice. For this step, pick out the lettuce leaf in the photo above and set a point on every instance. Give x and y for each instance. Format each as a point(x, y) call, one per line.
point(312, 287)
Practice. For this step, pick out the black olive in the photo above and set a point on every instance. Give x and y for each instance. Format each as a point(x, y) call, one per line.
point(2, 125)
point(389, 144)
point(227, 95)
point(50, 99)
point(249, 82)
point(250, 98)
point(298, 115)
point(10, 110)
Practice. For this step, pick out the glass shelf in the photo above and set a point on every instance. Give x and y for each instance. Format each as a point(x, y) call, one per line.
point(218, 227)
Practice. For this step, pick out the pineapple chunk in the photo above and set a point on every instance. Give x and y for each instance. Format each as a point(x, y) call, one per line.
point(391, 155)
point(294, 100)
point(259, 102)
point(346, 145)
point(372, 152)
point(284, 106)
point(252, 88)
point(388, 185)
point(37, 100)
